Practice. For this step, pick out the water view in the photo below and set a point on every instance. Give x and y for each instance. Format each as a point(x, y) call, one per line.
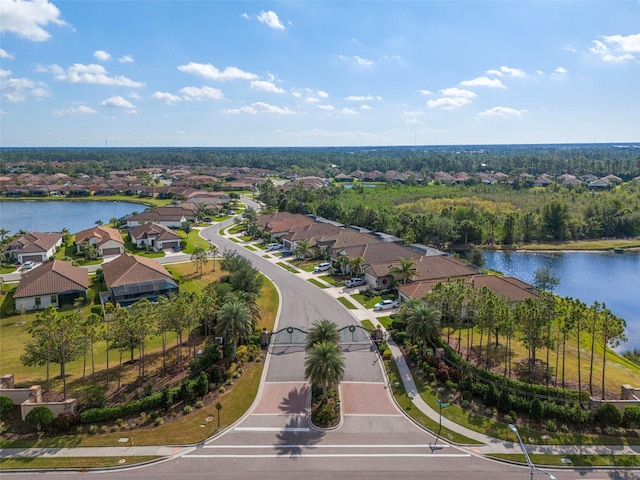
point(589, 276)
point(53, 216)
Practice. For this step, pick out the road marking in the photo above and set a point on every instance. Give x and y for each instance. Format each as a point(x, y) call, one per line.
point(372, 415)
point(272, 429)
point(320, 446)
point(335, 455)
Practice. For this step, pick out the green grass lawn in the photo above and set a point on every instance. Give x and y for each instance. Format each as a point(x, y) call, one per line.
point(371, 301)
point(286, 266)
point(385, 322)
point(318, 283)
point(346, 303)
point(368, 324)
point(576, 460)
point(71, 462)
point(250, 247)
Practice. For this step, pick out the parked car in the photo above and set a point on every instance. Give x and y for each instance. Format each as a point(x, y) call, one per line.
point(28, 265)
point(286, 252)
point(355, 282)
point(385, 305)
point(273, 246)
point(322, 267)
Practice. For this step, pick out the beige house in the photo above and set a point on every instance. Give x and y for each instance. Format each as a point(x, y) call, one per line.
point(54, 283)
point(107, 240)
point(155, 236)
point(34, 247)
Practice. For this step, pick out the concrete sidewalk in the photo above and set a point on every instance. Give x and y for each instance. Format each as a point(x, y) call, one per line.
point(131, 451)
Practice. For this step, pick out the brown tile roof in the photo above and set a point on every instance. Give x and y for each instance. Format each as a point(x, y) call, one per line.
point(35, 242)
point(511, 289)
point(347, 237)
point(312, 231)
point(283, 222)
point(102, 233)
point(381, 255)
point(128, 268)
point(160, 214)
point(51, 278)
point(153, 230)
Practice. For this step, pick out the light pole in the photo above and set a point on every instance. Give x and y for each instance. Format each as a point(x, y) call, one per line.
point(441, 405)
point(532, 467)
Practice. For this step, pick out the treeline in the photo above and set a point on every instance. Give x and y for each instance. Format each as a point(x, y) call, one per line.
point(480, 214)
point(597, 159)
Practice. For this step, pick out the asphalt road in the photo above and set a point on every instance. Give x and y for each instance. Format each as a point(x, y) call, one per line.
point(276, 441)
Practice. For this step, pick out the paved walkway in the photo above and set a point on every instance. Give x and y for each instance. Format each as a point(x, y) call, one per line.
point(487, 446)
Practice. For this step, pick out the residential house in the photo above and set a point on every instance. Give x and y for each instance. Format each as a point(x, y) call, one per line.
point(172, 217)
point(311, 232)
point(155, 236)
point(509, 288)
point(280, 223)
point(107, 240)
point(54, 283)
point(130, 278)
point(34, 246)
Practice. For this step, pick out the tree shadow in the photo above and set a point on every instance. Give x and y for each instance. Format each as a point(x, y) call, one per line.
point(296, 402)
point(296, 437)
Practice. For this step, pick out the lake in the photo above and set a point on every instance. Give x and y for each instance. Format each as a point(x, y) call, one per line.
point(589, 276)
point(53, 216)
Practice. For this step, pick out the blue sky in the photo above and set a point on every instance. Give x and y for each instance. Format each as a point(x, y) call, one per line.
point(313, 73)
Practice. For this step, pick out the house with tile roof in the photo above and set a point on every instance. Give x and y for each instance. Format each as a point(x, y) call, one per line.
point(130, 278)
point(107, 240)
point(172, 217)
point(54, 283)
point(155, 236)
point(34, 247)
point(280, 223)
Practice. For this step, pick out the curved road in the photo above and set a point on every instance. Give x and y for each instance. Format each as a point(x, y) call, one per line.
point(275, 439)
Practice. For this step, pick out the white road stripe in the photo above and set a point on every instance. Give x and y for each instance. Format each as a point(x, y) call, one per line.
point(334, 455)
point(321, 446)
point(271, 429)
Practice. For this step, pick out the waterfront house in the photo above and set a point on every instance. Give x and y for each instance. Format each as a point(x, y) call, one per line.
point(34, 247)
point(155, 236)
point(107, 240)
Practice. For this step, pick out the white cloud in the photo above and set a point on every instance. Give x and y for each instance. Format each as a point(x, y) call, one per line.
point(92, 73)
point(312, 100)
point(116, 102)
point(412, 112)
point(28, 19)
point(17, 90)
point(360, 61)
point(203, 93)
point(265, 86)
point(323, 94)
point(616, 48)
point(167, 97)
point(102, 55)
point(457, 92)
point(483, 82)
point(348, 111)
point(502, 112)
point(358, 98)
point(259, 107)
point(560, 73)
point(126, 59)
point(5, 54)
point(365, 107)
point(79, 110)
point(326, 108)
point(209, 71)
point(561, 70)
point(449, 103)
point(245, 16)
point(271, 20)
point(424, 92)
point(512, 72)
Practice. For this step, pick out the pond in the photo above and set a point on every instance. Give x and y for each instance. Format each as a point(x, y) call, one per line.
point(589, 276)
point(53, 216)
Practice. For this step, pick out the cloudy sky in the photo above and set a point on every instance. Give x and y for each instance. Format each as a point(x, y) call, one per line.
point(318, 73)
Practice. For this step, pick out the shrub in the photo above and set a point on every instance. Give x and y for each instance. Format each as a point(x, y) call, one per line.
point(158, 421)
point(93, 429)
point(39, 418)
point(551, 425)
point(6, 404)
point(608, 415)
point(187, 409)
point(504, 401)
point(467, 395)
point(199, 404)
point(64, 422)
point(95, 397)
point(536, 410)
point(631, 416)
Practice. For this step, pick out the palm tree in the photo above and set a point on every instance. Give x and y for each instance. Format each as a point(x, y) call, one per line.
point(322, 331)
point(324, 366)
point(406, 269)
point(234, 322)
point(3, 233)
point(356, 265)
point(199, 257)
point(113, 221)
point(343, 262)
point(213, 252)
point(423, 322)
point(303, 248)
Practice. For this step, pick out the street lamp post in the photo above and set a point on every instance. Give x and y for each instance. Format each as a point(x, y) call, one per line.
point(532, 467)
point(441, 405)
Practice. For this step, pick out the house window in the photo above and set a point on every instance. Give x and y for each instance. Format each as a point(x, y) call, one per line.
point(54, 299)
point(38, 301)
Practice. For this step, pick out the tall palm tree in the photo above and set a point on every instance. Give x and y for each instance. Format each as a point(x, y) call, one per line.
point(322, 331)
point(213, 252)
point(324, 366)
point(356, 265)
point(303, 248)
point(406, 269)
point(343, 263)
point(234, 322)
point(423, 322)
point(3, 233)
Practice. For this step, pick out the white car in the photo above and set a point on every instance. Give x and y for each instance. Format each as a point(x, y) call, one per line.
point(355, 282)
point(273, 246)
point(322, 267)
point(28, 265)
point(385, 305)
